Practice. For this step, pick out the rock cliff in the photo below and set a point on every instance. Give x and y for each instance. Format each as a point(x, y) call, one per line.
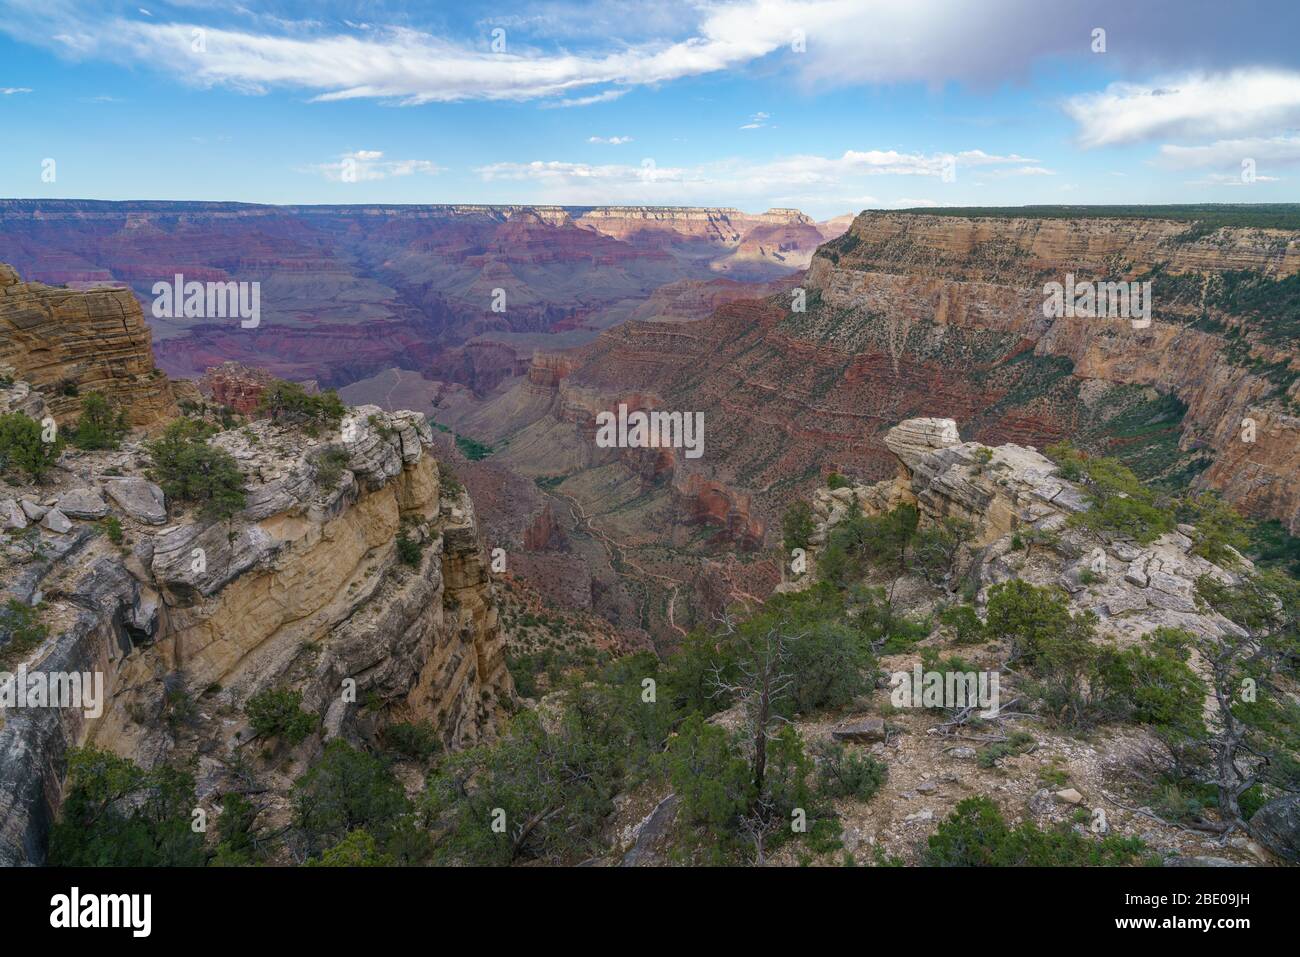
point(1009, 492)
point(63, 341)
point(304, 588)
point(1219, 340)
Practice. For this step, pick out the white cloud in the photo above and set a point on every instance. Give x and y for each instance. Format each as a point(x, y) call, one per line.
point(1239, 102)
point(362, 166)
point(1276, 150)
point(1230, 179)
point(757, 121)
point(601, 50)
point(610, 140)
point(606, 97)
point(813, 179)
point(11, 90)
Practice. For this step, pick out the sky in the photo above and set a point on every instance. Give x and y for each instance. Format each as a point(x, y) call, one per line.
point(830, 106)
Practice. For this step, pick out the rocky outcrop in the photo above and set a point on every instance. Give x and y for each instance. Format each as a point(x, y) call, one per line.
point(235, 386)
point(67, 342)
point(1010, 493)
point(303, 588)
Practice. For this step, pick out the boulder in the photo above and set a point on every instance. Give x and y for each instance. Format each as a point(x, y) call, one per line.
point(1069, 796)
point(32, 510)
point(913, 439)
point(139, 498)
point(861, 730)
point(1040, 802)
point(11, 515)
point(1276, 825)
point(56, 522)
point(83, 503)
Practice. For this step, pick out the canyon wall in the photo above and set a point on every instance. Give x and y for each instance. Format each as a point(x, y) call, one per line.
point(65, 342)
point(186, 618)
point(987, 275)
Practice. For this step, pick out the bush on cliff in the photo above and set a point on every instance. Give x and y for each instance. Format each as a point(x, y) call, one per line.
point(358, 849)
point(796, 525)
point(1078, 681)
point(544, 790)
point(116, 814)
point(23, 449)
point(100, 425)
point(277, 713)
point(21, 630)
point(290, 403)
point(1118, 501)
point(349, 790)
point(190, 470)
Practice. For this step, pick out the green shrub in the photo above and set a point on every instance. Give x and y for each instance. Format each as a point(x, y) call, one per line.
point(551, 789)
point(1018, 742)
point(1118, 501)
point(796, 525)
point(329, 463)
point(964, 623)
point(100, 426)
point(417, 741)
point(709, 776)
point(976, 835)
point(112, 527)
point(830, 665)
point(116, 814)
point(23, 448)
point(21, 630)
point(190, 470)
point(1221, 533)
point(409, 550)
point(236, 842)
point(842, 773)
point(836, 480)
point(348, 790)
point(277, 713)
point(471, 449)
point(358, 849)
point(290, 403)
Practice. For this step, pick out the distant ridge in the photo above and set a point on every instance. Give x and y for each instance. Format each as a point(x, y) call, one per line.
point(1257, 215)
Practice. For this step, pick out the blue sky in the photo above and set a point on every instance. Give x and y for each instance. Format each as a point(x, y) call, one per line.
point(828, 105)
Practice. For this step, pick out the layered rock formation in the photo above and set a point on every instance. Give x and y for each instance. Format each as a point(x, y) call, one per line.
point(64, 341)
point(1218, 342)
point(1010, 490)
point(235, 386)
point(303, 588)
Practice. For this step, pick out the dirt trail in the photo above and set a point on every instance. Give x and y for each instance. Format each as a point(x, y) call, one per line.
point(580, 515)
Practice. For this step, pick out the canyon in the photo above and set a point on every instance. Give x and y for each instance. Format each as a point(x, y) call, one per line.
point(350, 291)
point(907, 315)
point(801, 343)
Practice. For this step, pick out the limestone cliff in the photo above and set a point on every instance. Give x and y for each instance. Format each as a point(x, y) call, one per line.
point(1218, 342)
point(65, 341)
point(304, 588)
